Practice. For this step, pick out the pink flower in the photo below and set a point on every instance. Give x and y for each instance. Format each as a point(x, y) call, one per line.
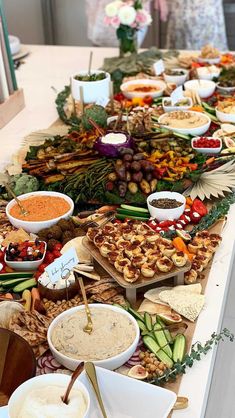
point(115, 22)
point(107, 20)
point(143, 18)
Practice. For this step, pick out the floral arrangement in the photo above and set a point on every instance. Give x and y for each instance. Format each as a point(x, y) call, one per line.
point(127, 17)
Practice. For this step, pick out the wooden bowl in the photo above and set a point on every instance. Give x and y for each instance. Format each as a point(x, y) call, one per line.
point(58, 294)
point(17, 363)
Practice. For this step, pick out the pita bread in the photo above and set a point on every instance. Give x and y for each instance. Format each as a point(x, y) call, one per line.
point(16, 236)
point(154, 308)
point(83, 254)
point(153, 294)
point(187, 304)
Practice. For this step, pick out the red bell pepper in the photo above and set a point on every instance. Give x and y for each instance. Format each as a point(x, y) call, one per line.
point(199, 207)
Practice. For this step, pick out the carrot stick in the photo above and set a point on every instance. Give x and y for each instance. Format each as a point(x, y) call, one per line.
point(35, 297)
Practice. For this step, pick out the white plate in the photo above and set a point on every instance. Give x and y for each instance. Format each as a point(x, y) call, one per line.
point(125, 397)
point(4, 412)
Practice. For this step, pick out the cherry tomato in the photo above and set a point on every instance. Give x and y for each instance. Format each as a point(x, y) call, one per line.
point(56, 253)
point(42, 267)
point(148, 100)
point(195, 217)
point(2, 254)
point(57, 247)
point(49, 257)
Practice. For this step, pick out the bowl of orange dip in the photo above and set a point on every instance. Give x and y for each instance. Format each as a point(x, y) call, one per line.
point(44, 210)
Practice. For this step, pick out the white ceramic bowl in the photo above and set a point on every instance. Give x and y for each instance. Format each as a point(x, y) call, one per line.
point(25, 265)
point(35, 227)
point(225, 117)
point(206, 150)
point(225, 89)
point(205, 88)
point(55, 379)
point(125, 397)
point(92, 90)
point(200, 130)
point(203, 75)
point(172, 108)
point(111, 363)
point(210, 61)
point(166, 214)
point(160, 86)
point(114, 118)
point(176, 79)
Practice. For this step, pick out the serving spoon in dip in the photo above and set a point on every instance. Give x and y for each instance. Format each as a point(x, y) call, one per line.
point(22, 209)
point(91, 374)
point(76, 373)
point(89, 326)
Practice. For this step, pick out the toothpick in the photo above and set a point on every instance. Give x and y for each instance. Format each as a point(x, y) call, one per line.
point(81, 99)
point(111, 96)
point(73, 100)
point(90, 62)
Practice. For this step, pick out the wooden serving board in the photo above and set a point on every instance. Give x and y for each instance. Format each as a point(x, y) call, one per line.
point(178, 273)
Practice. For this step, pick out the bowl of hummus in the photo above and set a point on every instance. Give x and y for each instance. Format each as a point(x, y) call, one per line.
point(112, 342)
point(41, 396)
point(186, 122)
point(225, 111)
point(142, 88)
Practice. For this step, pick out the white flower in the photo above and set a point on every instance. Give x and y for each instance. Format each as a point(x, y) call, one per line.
point(143, 18)
point(112, 8)
point(127, 15)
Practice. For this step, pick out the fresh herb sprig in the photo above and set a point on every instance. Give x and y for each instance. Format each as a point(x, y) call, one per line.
point(197, 351)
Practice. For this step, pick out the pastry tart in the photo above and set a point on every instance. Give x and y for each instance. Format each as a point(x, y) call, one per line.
point(106, 248)
point(149, 246)
point(147, 270)
point(152, 238)
point(142, 228)
point(127, 234)
point(114, 255)
point(91, 233)
point(179, 259)
point(138, 238)
point(168, 250)
point(164, 264)
point(193, 247)
point(132, 250)
point(197, 266)
point(108, 229)
point(131, 273)
point(190, 277)
point(138, 260)
point(122, 244)
point(120, 263)
point(99, 239)
point(153, 255)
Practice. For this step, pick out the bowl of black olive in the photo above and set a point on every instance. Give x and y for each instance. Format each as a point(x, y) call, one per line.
point(94, 85)
point(176, 76)
point(166, 205)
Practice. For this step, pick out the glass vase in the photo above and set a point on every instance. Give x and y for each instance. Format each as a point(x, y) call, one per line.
point(127, 37)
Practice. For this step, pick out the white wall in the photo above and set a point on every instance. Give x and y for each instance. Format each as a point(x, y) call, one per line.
point(24, 19)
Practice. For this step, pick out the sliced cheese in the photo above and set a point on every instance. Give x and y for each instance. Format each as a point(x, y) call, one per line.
point(187, 304)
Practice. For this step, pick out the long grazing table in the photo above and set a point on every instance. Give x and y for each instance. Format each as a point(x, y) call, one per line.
point(48, 68)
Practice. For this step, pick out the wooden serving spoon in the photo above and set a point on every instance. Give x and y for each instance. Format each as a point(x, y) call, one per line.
point(22, 209)
point(76, 373)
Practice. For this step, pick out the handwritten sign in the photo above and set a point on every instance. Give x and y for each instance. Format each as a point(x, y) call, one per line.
point(62, 265)
point(158, 67)
point(177, 95)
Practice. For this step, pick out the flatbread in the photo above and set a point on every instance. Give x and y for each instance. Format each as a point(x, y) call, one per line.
point(83, 254)
point(154, 308)
point(153, 294)
point(187, 304)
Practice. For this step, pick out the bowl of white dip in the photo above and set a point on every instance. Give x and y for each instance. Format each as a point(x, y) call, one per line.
point(41, 397)
point(112, 342)
point(186, 122)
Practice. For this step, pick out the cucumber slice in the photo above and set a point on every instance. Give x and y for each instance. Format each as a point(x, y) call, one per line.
point(136, 314)
point(142, 326)
point(12, 282)
point(212, 117)
point(152, 345)
point(208, 108)
point(24, 285)
point(161, 339)
point(132, 213)
point(166, 331)
point(120, 306)
point(182, 136)
point(148, 321)
point(179, 348)
point(137, 218)
point(134, 208)
point(15, 275)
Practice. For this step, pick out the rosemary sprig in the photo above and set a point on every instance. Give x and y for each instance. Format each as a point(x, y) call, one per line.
point(195, 355)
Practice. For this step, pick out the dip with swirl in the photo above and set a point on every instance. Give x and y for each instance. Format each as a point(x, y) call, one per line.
point(112, 334)
point(185, 120)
